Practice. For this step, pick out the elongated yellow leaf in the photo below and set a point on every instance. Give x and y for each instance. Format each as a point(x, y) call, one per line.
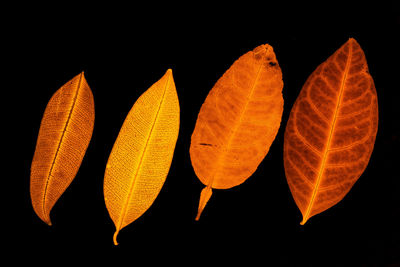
point(64, 135)
point(141, 156)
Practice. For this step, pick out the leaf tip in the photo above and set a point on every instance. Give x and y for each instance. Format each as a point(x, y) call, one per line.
point(351, 39)
point(168, 74)
point(354, 44)
point(82, 75)
point(46, 220)
point(265, 53)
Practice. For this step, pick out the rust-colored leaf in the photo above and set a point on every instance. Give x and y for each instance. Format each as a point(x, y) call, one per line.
point(331, 131)
point(64, 135)
point(238, 122)
point(142, 154)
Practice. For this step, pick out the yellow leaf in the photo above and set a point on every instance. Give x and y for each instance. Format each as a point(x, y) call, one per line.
point(142, 154)
point(238, 122)
point(64, 135)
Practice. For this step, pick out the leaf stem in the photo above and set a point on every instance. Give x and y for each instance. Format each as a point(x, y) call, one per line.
point(204, 197)
point(115, 237)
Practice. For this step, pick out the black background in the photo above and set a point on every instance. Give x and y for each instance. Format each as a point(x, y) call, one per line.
point(123, 50)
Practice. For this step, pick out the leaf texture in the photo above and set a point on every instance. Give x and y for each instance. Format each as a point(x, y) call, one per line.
point(142, 154)
point(64, 135)
point(331, 131)
point(238, 122)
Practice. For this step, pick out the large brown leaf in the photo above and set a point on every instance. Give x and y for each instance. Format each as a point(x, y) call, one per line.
point(331, 131)
point(238, 122)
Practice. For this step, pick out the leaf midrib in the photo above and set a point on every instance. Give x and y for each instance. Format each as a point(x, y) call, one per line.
point(332, 129)
point(132, 185)
point(59, 145)
point(233, 132)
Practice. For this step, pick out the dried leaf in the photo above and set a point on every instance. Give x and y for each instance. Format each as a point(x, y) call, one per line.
point(142, 154)
point(238, 122)
point(64, 135)
point(331, 131)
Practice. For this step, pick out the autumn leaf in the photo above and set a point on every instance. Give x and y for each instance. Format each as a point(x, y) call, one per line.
point(64, 135)
point(142, 154)
point(331, 131)
point(238, 122)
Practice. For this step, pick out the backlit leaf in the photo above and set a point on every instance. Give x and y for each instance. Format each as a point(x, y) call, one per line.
point(64, 135)
point(142, 154)
point(331, 131)
point(238, 122)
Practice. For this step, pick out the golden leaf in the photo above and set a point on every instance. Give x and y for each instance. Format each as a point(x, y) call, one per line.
point(64, 135)
point(142, 154)
point(238, 122)
point(331, 131)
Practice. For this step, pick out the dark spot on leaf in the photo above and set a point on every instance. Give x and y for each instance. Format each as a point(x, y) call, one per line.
point(205, 144)
point(257, 56)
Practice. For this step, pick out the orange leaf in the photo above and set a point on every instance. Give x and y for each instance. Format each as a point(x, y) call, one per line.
point(142, 154)
point(331, 131)
point(64, 135)
point(238, 122)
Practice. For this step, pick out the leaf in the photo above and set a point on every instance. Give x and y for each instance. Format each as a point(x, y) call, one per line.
point(238, 122)
point(142, 154)
point(331, 131)
point(64, 135)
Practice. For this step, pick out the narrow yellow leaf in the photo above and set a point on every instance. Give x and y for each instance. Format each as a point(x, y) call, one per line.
point(142, 154)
